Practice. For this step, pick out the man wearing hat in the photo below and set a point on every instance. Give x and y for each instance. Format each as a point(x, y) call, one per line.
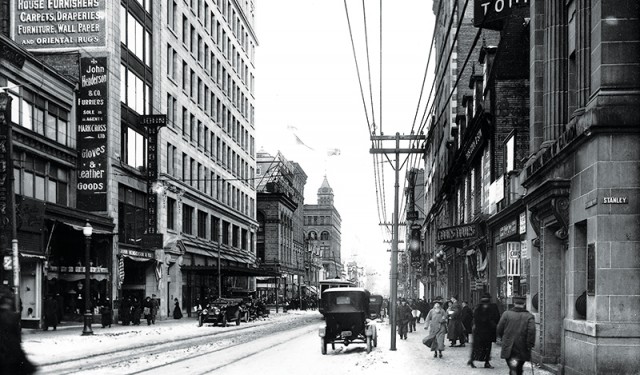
point(517, 329)
point(485, 321)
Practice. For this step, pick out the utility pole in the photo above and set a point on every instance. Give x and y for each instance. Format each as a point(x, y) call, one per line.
point(394, 249)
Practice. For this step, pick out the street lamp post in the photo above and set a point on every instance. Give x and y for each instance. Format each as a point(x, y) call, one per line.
point(87, 230)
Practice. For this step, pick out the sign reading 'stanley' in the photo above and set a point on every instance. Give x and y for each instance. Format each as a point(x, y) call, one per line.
point(92, 134)
point(59, 23)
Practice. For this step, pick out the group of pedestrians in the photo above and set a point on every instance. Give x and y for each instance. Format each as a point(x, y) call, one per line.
point(133, 310)
point(515, 328)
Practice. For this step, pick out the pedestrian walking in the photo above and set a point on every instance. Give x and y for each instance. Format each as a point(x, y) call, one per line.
point(415, 313)
point(518, 332)
point(50, 313)
point(424, 310)
point(13, 359)
point(147, 307)
point(436, 326)
point(177, 311)
point(136, 311)
point(155, 307)
point(485, 321)
point(455, 329)
point(125, 310)
point(106, 313)
point(403, 315)
point(466, 316)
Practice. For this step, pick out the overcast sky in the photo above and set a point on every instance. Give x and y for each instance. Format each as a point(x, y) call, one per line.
point(307, 86)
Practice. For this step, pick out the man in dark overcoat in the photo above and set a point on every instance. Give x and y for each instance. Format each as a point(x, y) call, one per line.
point(13, 359)
point(517, 328)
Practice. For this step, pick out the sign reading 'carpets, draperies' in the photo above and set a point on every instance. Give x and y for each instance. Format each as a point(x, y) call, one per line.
point(92, 134)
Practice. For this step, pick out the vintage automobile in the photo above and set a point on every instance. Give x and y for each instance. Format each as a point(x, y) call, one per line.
point(347, 319)
point(375, 306)
point(221, 311)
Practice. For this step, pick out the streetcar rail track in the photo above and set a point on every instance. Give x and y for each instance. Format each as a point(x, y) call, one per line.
point(114, 357)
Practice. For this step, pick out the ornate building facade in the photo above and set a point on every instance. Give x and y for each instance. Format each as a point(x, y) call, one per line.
point(322, 225)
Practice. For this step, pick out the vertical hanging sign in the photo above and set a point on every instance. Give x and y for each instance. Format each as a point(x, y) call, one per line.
point(92, 134)
point(152, 124)
point(7, 196)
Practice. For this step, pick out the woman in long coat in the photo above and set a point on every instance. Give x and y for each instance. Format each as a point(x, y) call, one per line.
point(177, 311)
point(436, 326)
point(485, 320)
point(125, 312)
point(455, 328)
point(50, 313)
point(136, 311)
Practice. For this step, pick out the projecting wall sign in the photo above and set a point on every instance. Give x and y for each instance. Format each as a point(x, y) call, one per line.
point(92, 134)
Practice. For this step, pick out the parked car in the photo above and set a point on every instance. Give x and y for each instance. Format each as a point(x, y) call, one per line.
point(346, 315)
point(221, 311)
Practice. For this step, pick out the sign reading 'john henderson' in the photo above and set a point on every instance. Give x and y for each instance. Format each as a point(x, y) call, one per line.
point(92, 134)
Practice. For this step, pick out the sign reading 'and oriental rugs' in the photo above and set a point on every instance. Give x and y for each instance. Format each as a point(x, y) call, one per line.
point(92, 134)
point(455, 234)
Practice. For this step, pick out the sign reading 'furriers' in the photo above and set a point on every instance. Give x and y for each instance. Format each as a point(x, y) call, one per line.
point(59, 23)
point(453, 234)
point(92, 134)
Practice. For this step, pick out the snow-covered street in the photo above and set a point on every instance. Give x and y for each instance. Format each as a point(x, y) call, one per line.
point(283, 344)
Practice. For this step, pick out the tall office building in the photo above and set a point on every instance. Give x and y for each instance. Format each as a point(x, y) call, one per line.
point(164, 153)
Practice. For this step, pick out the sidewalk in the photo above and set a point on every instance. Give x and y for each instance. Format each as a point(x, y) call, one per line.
point(412, 357)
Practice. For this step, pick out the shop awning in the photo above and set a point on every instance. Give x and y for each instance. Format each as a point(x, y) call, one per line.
point(80, 227)
point(36, 256)
point(137, 258)
point(230, 270)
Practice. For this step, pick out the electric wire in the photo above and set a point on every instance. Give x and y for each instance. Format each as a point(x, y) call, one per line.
point(366, 42)
point(355, 58)
point(415, 157)
point(378, 181)
point(445, 72)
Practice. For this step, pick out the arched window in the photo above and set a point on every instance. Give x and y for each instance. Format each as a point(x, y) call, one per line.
point(313, 235)
point(324, 236)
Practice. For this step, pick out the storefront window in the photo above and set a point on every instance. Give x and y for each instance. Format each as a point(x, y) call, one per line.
point(131, 216)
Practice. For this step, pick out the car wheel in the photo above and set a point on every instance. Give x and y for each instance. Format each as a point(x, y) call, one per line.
point(368, 344)
point(200, 321)
point(323, 346)
point(238, 321)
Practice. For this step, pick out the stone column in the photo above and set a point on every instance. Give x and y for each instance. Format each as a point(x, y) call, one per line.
point(536, 27)
point(555, 70)
point(551, 296)
point(583, 53)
